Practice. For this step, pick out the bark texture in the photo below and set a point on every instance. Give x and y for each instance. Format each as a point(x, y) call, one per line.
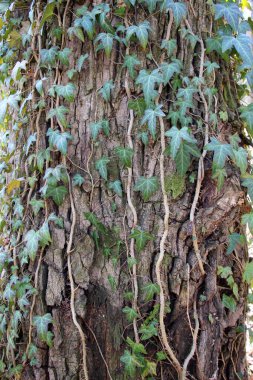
point(221, 343)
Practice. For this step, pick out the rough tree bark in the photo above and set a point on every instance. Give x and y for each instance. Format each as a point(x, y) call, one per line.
point(220, 344)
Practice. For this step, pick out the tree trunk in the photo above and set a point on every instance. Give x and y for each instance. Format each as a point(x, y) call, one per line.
point(99, 262)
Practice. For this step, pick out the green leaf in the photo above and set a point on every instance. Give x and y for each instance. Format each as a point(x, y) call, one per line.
point(229, 302)
point(221, 151)
point(60, 113)
point(116, 186)
point(32, 243)
point(137, 348)
point(8, 293)
point(234, 240)
point(101, 166)
point(88, 26)
point(39, 86)
point(3, 110)
point(78, 180)
point(37, 205)
point(48, 56)
point(106, 43)
point(247, 116)
point(210, 67)
point(95, 128)
point(141, 238)
point(170, 46)
point(141, 31)
point(67, 91)
point(248, 182)
point(63, 56)
point(148, 331)
point(219, 174)
point(56, 220)
point(44, 235)
point(41, 323)
point(131, 363)
point(131, 314)
point(48, 13)
point(248, 272)
point(148, 82)
point(169, 69)
point(59, 140)
point(150, 118)
point(177, 137)
point(147, 187)
point(230, 12)
point(179, 10)
point(77, 32)
point(138, 106)
point(241, 159)
point(130, 61)
point(125, 156)
point(106, 90)
point(80, 62)
point(151, 4)
point(150, 291)
point(57, 193)
point(150, 369)
point(248, 219)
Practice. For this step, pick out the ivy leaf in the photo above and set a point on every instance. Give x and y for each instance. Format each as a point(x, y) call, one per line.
point(48, 12)
point(151, 4)
point(213, 44)
point(78, 180)
point(37, 205)
point(243, 45)
point(141, 238)
point(141, 31)
point(3, 110)
point(116, 186)
point(131, 314)
point(106, 43)
point(229, 302)
point(77, 32)
point(39, 86)
point(8, 293)
point(32, 243)
point(59, 112)
point(219, 174)
point(125, 156)
point(57, 193)
point(88, 26)
point(101, 166)
point(247, 116)
point(211, 66)
point(147, 187)
point(150, 118)
point(148, 331)
point(81, 61)
point(67, 91)
point(106, 90)
point(248, 182)
point(169, 46)
point(17, 68)
point(248, 272)
point(230, 12)
point(148, 82)
point(44, 235)
point(248, 219)
point(63, 56)
point(183, 156)
point(130, 61)
point(137, 348)
point(138, 106)
point(59, 140)
point(41, 323)
point(169, 69)
point(151, 290)
point(48, 56)
point(221, 151)
point(55, 219)
point(177, 136)
point(241, 159)
point(234, 240)
point(179, 10)
point(97, 127)
point(131, 363)
point(187, 94)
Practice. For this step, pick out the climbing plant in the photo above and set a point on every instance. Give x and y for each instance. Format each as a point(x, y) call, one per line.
point(177, 107)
